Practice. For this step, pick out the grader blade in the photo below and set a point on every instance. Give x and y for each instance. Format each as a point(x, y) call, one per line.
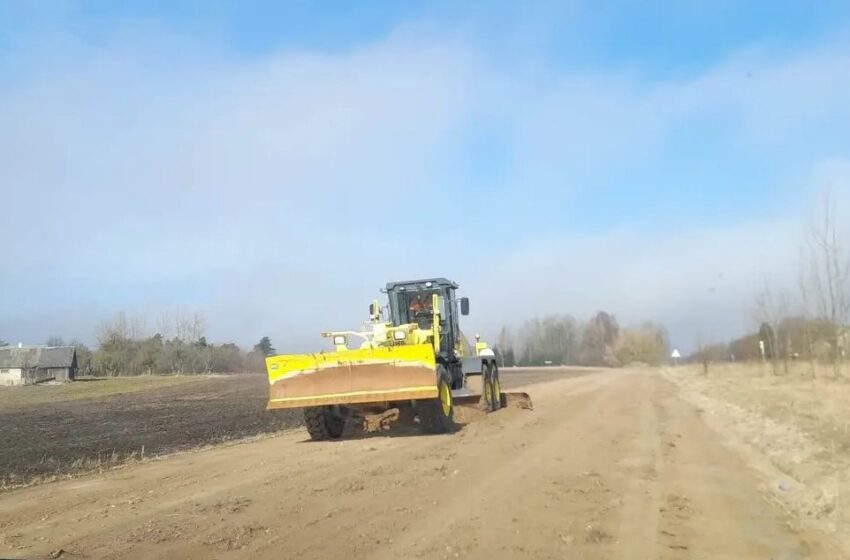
point(518, 399)
point(471, 396)
point(469, 406)
point(372, 375)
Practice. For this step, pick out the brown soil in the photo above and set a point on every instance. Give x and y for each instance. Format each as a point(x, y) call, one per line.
point(43, 438)
point(610, 465)
point(52, 431)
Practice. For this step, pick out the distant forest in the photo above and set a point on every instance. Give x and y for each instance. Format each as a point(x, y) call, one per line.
point(600, 341)
point(804, 322)
point(178, 347)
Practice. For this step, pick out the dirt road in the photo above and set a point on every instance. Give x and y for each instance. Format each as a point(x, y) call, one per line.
point(609, 465)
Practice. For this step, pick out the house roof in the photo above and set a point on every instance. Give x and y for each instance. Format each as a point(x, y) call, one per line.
point(37, 356)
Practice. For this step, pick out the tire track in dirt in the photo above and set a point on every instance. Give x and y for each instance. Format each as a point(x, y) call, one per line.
point(638, 528)
point(712, 506)
point(124, 521)
point(459, 526)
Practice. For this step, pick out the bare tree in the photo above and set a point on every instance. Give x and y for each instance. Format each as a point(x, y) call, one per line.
point(190, 328)
point(644, 344)
point(771, 308)
point(549, 340)
point(118, 345)
point(165, 324)
point(829, 271)
point(805, 310)
point(702, 356)
point(505, 345)
point(121, 326)
point(598, 339)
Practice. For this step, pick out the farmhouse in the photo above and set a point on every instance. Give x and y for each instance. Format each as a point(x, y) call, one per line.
point(25, 365)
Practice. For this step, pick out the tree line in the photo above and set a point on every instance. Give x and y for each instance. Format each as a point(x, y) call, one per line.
point(599, 341)
point(791, 339)
point(179, 346)
point(807, 322)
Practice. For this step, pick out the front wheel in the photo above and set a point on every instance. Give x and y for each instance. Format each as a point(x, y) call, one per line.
point(324, 422)
point(436, 416)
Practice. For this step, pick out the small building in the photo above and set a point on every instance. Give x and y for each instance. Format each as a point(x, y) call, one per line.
point(26, 365)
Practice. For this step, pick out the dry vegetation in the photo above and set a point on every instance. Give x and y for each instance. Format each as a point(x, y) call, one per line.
point(599, 341)
point(795, 426)
point(88, 388)
point(127, 347)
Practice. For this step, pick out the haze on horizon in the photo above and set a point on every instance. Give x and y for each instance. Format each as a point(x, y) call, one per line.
point(271, 167)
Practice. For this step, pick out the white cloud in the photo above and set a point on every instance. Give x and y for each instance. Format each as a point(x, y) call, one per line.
point(699, 283)
point(278, 193)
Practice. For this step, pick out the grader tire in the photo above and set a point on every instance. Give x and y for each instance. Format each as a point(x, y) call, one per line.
point(496, 387)
point(323, 423)
point(489, 399)
point(436, 416)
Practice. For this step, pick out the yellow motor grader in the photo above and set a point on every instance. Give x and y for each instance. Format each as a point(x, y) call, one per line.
point(410, 356)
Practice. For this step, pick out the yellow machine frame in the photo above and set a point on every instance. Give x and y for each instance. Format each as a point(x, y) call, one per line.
point(393, 363)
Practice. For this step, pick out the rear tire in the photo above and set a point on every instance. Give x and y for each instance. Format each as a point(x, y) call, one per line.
point(436, 416)
point(497, 387)
point(323, 423)
point(488, 398)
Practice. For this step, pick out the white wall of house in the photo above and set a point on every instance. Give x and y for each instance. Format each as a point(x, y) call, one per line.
point(11, 376)
point(17, 376)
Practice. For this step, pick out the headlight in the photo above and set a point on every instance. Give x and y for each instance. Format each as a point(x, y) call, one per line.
point(399, 335)
point(339, 339)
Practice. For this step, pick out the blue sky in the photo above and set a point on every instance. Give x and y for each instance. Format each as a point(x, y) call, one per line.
point(270, 165)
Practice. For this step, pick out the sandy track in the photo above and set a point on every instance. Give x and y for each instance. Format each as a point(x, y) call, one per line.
point(608, 465)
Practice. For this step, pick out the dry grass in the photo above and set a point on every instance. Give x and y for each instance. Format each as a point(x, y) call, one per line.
point(89, 388)
point(819, 404)
point(797, 424)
